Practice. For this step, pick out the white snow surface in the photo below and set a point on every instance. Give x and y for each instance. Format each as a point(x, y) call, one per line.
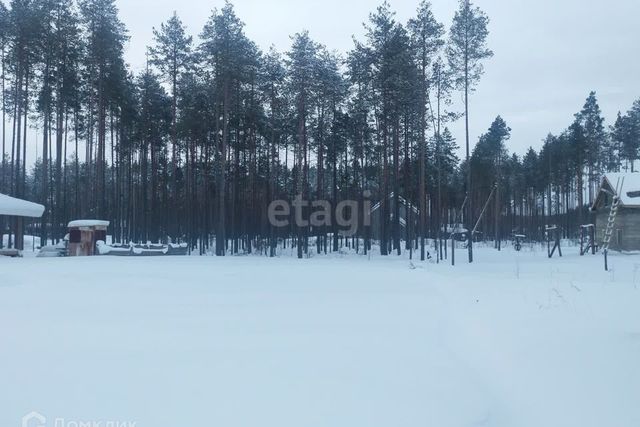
point(31, 243)
point(515, 339)
point(17, 207)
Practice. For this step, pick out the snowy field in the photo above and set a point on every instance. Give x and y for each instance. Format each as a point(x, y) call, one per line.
point(513, 340)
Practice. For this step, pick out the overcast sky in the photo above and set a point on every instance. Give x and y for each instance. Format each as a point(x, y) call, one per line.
point(548, 53)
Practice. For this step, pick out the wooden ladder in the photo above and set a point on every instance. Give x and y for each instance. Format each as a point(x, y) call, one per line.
point(611, 222)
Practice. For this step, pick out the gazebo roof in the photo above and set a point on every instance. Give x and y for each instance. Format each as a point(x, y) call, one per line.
point(11, 206)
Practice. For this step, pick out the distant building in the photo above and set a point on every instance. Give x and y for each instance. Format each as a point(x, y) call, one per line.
point(84, 236)
point(626, 227)
point(409, 215)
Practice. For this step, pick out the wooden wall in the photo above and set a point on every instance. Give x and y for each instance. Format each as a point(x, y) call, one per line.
point(626, 232)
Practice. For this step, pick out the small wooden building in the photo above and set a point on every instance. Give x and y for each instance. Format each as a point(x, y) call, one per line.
point(626, 228)
point(84, 234)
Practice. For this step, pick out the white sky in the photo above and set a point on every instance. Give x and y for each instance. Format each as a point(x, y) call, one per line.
point(548, 53)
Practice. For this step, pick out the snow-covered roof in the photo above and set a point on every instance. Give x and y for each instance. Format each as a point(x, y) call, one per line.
point(88, 223)
point(16, 207)
point(630, 187)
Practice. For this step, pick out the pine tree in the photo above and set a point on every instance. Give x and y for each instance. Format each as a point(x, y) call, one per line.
point(441, 87)
point(59, 79)
point(68, 48)
point(361, 108)
point(226, 51)
point(591, 120)
point(4, 40)
point(626, 134)
point(106, 36)
point(447, 172)
point(24, 52)
point(488, 164)
point(153, 128)
point(465, 52)
point(301, 60)
point(273, 88)
point(395, 79)
point(579, 146)
point(172, 55)
point(329, 93)
point(426, 40)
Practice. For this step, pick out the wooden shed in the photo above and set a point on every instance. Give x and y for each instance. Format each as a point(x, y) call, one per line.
point(84, 234)
point(626, 225)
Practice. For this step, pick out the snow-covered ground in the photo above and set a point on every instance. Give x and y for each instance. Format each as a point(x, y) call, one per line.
point(513, 340)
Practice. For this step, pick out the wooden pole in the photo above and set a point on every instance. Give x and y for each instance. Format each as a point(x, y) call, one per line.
point(453, 250)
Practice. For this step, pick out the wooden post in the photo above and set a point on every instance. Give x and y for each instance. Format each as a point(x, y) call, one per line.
point(453, 249)
point(446, 249)
point(556, 238)
point(19, 239)
point(548, 243)
point(558, 242)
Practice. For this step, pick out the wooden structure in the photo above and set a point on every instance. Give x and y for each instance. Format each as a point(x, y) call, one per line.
point(553, 241)
point(408, 217)
point(84, 235)
point(588, 239)
point(624, 226)
point(18, 209)
point(518, 239)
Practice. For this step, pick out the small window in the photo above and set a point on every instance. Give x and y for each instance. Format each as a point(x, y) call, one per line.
point(633, 194)
point(619, 236)
point(75, 236)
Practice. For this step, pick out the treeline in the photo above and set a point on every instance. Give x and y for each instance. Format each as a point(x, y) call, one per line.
point(196, 146)
point(557, 184)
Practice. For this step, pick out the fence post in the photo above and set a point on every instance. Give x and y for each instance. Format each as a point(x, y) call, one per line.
point(453, 250)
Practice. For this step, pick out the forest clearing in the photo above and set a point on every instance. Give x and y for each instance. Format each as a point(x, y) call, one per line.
point(319, 214)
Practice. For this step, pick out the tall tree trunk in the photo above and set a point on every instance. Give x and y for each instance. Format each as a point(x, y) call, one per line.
point(221, 232)
point(468, 155)
point(301, 161)
point(396, 187)
point(320, 180)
